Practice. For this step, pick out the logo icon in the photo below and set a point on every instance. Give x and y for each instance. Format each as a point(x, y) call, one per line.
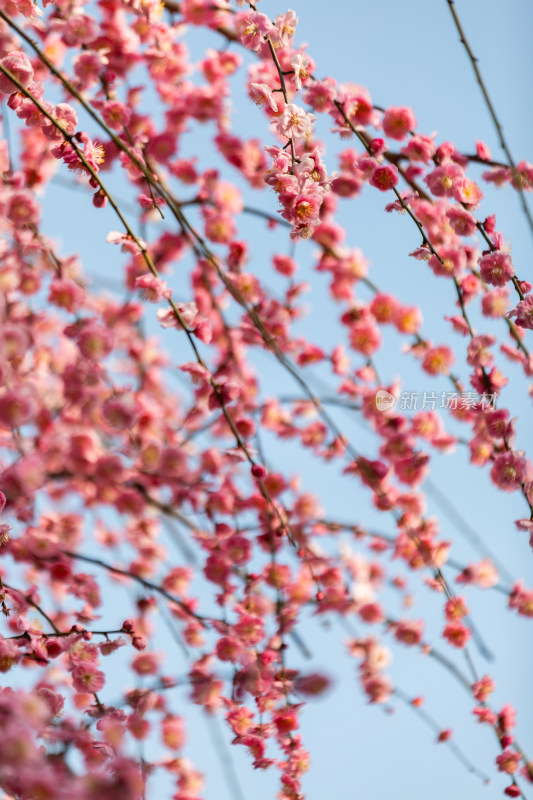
point(385, 401)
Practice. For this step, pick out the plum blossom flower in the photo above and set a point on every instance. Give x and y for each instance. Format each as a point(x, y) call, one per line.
point(438, 360)
point(152, 288)
point(93, 153)
point(261, 94)
point(300, 64)
point(79, 29)
point(496, 268)
point(66, 294)
point(66, 117)
point(523, 312)
point(450, 262)
point(461, 221)
point(115, 114)
point(509, 471)
point(508, 761)
point(443, 181)
point(397, 122)
point(468, 192)
point(16, 408)
point(409, 632)
point(479, 354)
point(419, 148)
point(483, 688)
point(384, 177)
point(252, 29)
point(227, 392)
point(494, 304)
point(146, 663)
point(87, 678)
point(295, 122)
point(285, 28)
point(95, 341)
point(127, 244)
point(457, 634)
point(20, 67)
point(168, 319)
point(22, 208)
point(378, 688)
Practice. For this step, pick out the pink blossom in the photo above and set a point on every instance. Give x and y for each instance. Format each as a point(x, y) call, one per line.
point(384, 307)
point(152, 288)
point(66, 294)
point(20, 67)
point(461, 220)
point(483, 688)
point(371, 613)
point(88, 65)
point(365, 337)
point(249, 629)
point(495, 303)
point(285, 28)
point(286, 720)
point(66, 117)
point(469, 193)
point(384, 177)
point(79, 29)
point(305, 208)
point(146, 663)
point(9, 654)
point(419, 148)
point(252, 28)
point(115, 114)
point(450, 263)
point(16, 408)
point(261, 94)
point(484, 715)
point(86, 678)
point(408, 319)
point(523, 312)
point(211, 13)
point(168, 319)
point(508, 761)
point(496, 268)
point(409, 632)
point(509, 471)
point(302, 69)
point(444, 181)
point(229, 648)
point(285, 265)
point(378, 688)
point(227, 392)
point(479, 354)
point(438, 360)
point(22, 208)
point(522, 178)
point(95, 341)
point(127, 244)
point(457, 634)
point(398, 122)
point(320, 95)
point(295, 122)
point(483, 151)
point(173, 732)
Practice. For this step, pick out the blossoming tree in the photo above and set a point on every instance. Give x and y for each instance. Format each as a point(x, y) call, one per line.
point(171, 474)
